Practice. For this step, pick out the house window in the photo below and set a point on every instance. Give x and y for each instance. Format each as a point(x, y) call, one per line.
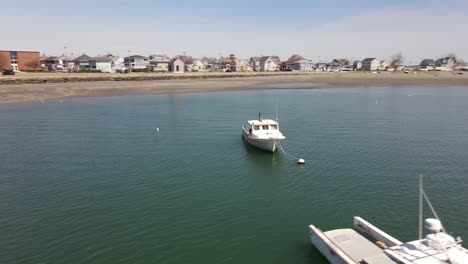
point(14, 57)
point(177, 67)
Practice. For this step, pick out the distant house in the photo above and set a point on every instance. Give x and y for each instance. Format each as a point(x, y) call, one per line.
point(81, 62)
point(197, 65)
point(59, 63)
point(270, 63)
point(427, 64)
point(357, 65)
point(103, 64)
point(136, 62)
point(213, 64)
point(240, 65)
point(176, 65)
point(370, 64)
point(303, 65)
point(159, 62)
point(255, 63)
point(384, 65)
point(289, 64)
point(321, 66)
point(446, 63)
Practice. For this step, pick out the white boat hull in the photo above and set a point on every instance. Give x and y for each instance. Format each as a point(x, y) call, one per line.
point(269, 144)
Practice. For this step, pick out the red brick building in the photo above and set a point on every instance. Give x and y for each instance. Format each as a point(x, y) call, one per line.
point(20, 60)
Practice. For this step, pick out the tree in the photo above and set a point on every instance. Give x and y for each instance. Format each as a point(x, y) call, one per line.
point(397, 60)
point(458, 60)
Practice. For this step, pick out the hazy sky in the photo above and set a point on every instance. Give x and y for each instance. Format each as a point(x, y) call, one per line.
point(312, 28)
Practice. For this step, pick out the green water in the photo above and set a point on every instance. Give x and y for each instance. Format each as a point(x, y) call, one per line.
point(89, 180)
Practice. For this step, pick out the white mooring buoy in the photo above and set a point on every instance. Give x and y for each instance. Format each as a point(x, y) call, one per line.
point(300, 161)
point(157, 129)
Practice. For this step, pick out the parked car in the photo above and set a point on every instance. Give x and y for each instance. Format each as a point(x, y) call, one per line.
point(8, 72)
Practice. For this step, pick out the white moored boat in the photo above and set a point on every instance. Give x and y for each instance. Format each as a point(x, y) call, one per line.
point(365, 243)
point(263, 134)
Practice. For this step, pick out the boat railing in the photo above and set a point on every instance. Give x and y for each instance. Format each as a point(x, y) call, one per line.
point(367, 229)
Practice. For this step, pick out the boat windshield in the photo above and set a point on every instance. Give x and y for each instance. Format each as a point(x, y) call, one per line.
point(256, 127)
point(274, 127)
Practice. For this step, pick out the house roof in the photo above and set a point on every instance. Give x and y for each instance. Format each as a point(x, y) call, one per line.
point(303, 61)
point(83, 57)
point(137, 57)
point(102, 59)
point(52, 58)
point(427, 61)
point(274, 58)
point(368, 59)
point(174, 59)
point(294, 59)
point(186, 59)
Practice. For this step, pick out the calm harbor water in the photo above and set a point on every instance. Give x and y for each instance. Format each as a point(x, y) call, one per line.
point(89, 180)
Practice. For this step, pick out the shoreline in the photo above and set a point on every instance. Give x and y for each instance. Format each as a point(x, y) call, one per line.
point(24, 88)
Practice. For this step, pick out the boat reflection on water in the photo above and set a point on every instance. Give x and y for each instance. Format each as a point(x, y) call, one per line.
point(260, 158)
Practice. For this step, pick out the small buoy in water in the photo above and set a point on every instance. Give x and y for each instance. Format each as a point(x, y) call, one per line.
point(300, 161)
point(157, 129)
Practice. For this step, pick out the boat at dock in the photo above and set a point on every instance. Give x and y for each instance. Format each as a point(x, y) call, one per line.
point(367, 244)
point(263, 134)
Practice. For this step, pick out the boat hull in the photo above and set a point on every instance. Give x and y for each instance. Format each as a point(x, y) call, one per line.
point(270, 145)
point(332, 253)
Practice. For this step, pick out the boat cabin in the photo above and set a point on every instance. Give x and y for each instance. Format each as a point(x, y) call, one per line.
point(264, 125)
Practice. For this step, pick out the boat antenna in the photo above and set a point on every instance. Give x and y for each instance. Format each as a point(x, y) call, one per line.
point(421, 204)
point(259, 116)
point(277, 110)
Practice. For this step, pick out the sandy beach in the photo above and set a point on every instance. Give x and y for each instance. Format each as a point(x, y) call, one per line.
point(49, 86)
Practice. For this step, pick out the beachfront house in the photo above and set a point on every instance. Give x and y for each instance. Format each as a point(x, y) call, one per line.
point(197, 66)
point(176, 65)
point(384, 65)
point(370, 64)
point(212, 64)
point(427, 64)
point(255, 63)
point(303, 65)
point(102, 64)
point(270, 63)
point(445, 64)
point(289, 64)
point(136, 62)
point(81, 63)
point(59, 63)
point(357, 65)
point(240, 65)
point(321, 66)
point(159, 62)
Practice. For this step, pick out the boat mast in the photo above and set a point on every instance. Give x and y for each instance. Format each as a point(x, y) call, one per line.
point(276, 110)
point(420, 205)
